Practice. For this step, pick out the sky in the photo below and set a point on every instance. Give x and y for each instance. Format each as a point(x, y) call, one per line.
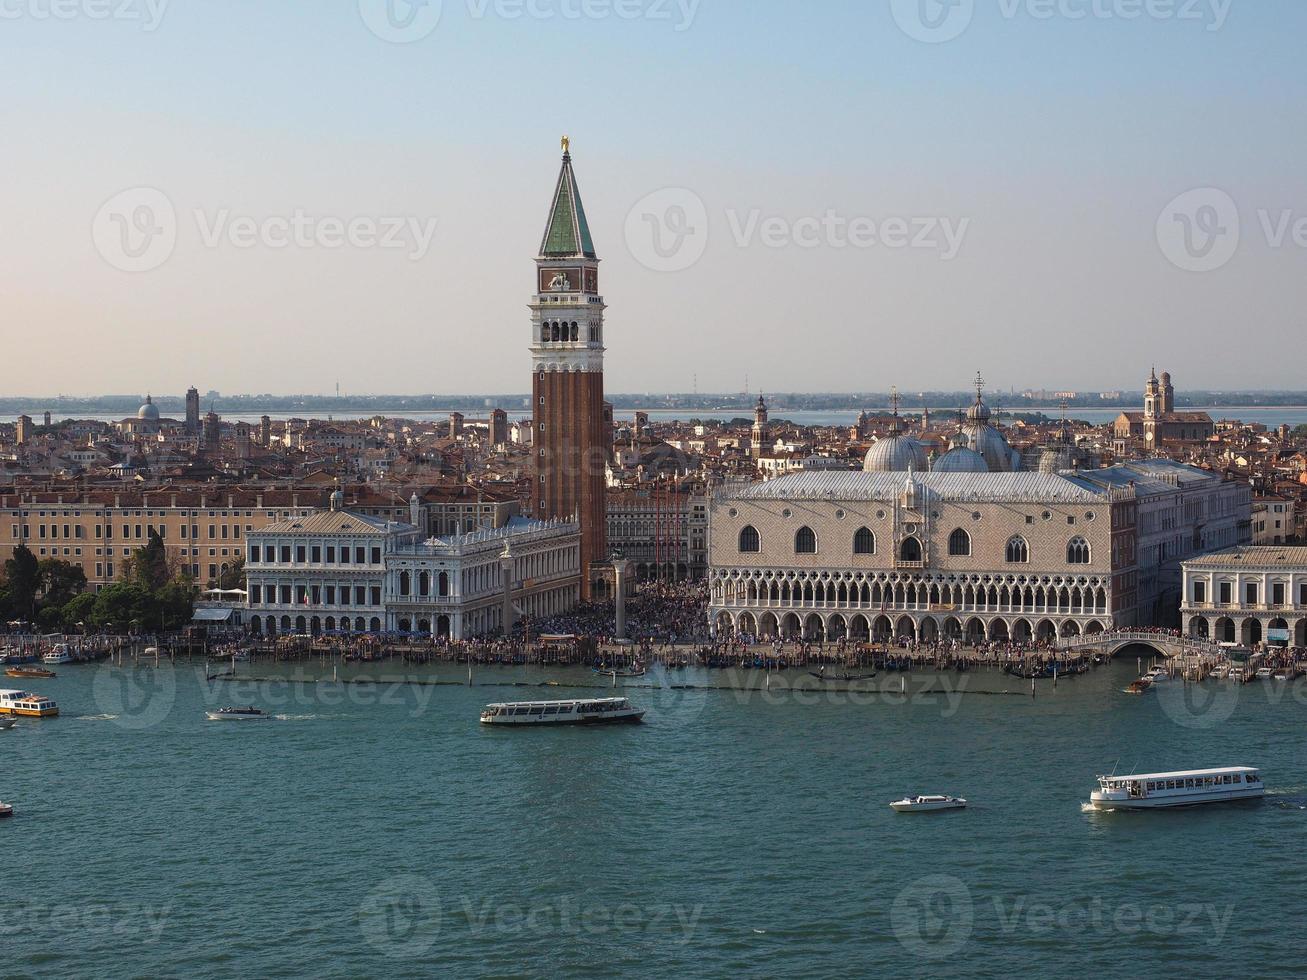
point(828, 196)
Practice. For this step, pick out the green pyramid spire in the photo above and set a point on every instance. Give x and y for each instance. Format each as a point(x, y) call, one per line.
point(567, 234)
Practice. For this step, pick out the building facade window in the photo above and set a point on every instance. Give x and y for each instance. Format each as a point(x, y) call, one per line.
point(1018, 552)
point(805, 541)
point(864, 541)
point(750, 541)
point(959, 544)
point(1077, 552)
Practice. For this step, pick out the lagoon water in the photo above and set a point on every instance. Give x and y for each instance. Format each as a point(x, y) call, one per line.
point(378, 830)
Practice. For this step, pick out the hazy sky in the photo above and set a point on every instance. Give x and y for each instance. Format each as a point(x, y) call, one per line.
point(845, 195)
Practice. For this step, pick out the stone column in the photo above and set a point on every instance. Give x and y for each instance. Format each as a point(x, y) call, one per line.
point(506, 563)
point(620, 566)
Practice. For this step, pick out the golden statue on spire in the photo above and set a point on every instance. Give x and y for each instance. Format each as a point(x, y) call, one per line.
point(567, 144)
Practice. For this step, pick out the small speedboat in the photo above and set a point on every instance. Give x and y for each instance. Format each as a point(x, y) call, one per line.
point(7, 723)
point(6, 810)
point(1138, 686)
point(237, 714)
point(28, 672)
point(925, 804)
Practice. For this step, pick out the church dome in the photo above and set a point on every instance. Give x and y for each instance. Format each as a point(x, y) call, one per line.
point(148, 412)
point(895, 454)
point(990, 444)
point(960, 459)
point(1055, 459)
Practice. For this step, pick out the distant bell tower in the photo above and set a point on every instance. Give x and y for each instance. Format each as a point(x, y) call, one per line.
point(193, 411)
point(760, 442)
point(567, 355)
point(1152, 395)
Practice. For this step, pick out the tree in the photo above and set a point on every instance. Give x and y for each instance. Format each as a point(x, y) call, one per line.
point(234, 576)
point(124, 606)
point(148, 566)
point(23, 573)
point(78, 610)
point(60, 581)
point(176, 602)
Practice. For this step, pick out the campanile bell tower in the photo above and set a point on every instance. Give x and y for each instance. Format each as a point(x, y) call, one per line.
point(567, 355)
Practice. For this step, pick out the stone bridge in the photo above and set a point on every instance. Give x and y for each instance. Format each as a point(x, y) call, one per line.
point(1164, 643)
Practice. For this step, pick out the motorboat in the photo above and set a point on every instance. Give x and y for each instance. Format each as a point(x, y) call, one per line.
point(928, 804)
point(1158, 674)
point(7, 723)
point(25, 704)
point(1140, 685)
point(596, 711)
point(238, 714)
point(1159, 790)
point(28, 672)
point(59, 654)
point(6, 810)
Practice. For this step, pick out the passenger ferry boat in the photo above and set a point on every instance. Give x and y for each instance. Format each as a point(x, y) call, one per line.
point(25, 704)
point(1170, 789)
point(599, 711)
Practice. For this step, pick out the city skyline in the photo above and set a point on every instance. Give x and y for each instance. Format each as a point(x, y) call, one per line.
point(908, 245)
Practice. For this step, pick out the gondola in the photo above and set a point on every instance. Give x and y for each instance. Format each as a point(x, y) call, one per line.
point(844, 677)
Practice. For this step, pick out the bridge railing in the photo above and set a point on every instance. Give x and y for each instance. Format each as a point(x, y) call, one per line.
point(1182, 644)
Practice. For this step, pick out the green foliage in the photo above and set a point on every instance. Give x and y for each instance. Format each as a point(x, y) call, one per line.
point(123, 607)
point(78, 610)
point(176, 602)
point(234, 576)
point(149, 565)
point(60, 582)
point(23, 574)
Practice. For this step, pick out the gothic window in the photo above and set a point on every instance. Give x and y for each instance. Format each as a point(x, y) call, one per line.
point(1018, 552)
point(575, 335)
point(1077, 552)
point(805, 542)
point(910, 550)
point(959, 543)
point(750, 542)
point(864, 542)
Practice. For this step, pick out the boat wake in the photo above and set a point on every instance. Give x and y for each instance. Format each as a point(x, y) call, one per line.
point(96, 718)
point(1090, 808)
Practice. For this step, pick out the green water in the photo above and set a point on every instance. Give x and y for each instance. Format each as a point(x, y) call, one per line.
point(378, 830)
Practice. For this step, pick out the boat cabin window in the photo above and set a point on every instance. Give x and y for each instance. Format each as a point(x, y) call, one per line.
point(1253, 777)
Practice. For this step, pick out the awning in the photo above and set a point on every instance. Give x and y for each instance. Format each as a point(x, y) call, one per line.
point(212, 615)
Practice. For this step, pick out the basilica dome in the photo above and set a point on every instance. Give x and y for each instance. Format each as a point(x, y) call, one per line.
point(148, 412)
point(961, 459)
point(895, 453)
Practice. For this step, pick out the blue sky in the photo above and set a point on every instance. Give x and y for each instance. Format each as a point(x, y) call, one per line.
point(1052, 145)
